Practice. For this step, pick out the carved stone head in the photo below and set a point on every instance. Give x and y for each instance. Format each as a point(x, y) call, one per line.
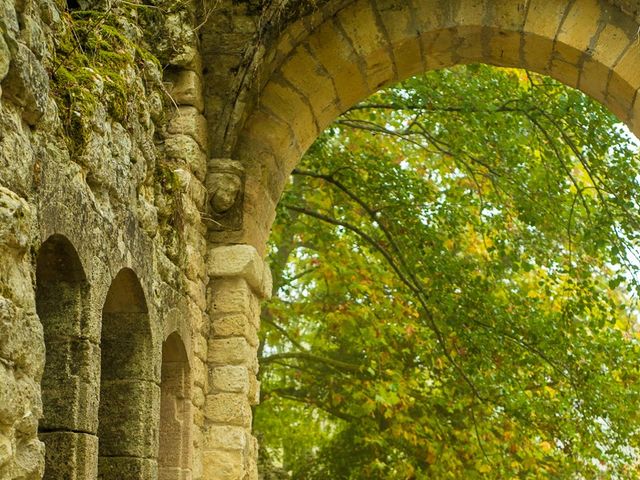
point(224, 191)
point(225, 183)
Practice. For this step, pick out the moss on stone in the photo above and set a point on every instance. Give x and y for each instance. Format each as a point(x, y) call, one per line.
point(95, 61)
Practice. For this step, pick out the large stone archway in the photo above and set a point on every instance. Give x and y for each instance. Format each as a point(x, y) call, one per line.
point(339, 54)
point(184, 193)
point(318, 71)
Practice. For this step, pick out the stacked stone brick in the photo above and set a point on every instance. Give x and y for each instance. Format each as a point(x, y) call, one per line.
point(239, 280)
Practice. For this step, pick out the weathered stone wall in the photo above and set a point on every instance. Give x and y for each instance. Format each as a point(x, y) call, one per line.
point(143, 149)
point(122, 181)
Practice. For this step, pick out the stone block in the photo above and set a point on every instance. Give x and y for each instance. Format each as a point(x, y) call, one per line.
point(304, 72)
point(70, 386)
point(223, 465)
point(70, 455)
point(229, 378)
point(233, 325)
point(230, 351)
point(128, 418)
point(190, 211)
point(185, 149)
point(267, 136)
point(254, 390)
point(199, 371)
point(228, 408)
point(230, 295)
point(580, 24)
point(198, 397)
point(60, 309)
point(173, 473)
point(189, 121)
point(240, 261)
point(126, 348)
point(179, 39)
point(194, 266)
point(197, 293)
point(186, 89)
point(252, 335)
point(200, 346)
point(281, 100)
point(370, 43)
point(252, 465)
point(334, 52)
point(225, 437)
point(194, 188)
point(129, 468)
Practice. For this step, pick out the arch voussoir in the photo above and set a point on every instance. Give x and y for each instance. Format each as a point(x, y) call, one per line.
point(588, 44)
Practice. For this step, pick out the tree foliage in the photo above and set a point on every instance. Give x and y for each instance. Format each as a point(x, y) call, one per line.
point(454, 278)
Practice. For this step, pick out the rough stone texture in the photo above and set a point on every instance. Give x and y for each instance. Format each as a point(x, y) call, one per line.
point(175, 189)
point(186, 89)
point(241, 261)
point(5, 58)
point(27, 82)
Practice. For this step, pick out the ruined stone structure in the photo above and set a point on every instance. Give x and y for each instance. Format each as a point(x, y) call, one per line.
point(132, 231)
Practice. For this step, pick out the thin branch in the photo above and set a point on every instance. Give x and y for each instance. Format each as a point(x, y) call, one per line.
point(267, 317)
point(301, 398)
point(310, 357)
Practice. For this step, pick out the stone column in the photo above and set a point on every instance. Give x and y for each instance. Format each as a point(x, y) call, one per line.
point(239, 280)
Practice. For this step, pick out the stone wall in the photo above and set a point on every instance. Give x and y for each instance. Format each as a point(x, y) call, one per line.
point(143, 149)
point(116, 172)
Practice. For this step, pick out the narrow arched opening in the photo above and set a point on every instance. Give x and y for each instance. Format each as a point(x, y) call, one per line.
point(174, 459)
point(129, 391)
point(70, 380)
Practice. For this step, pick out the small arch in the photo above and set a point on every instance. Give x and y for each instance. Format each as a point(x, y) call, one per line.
point(70, 379)
point(129, 391)
point(176, 412)
point(125, 294)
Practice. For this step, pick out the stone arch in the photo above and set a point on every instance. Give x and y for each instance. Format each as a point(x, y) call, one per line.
point(318, 71)
point(70, 380)
point(176, 412)
point(129, 385)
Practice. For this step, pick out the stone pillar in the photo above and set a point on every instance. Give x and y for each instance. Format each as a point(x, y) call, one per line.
point(239, 280)
point(185, 145)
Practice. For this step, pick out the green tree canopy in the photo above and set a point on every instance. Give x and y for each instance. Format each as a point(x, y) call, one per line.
point(454, 268)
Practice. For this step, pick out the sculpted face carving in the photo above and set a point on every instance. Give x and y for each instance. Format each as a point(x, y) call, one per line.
point(225, 188)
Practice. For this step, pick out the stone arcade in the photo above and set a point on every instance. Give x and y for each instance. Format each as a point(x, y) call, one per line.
point(129, 312)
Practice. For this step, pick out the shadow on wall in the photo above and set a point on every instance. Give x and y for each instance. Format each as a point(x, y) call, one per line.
point(129, 385)
point(72, 370)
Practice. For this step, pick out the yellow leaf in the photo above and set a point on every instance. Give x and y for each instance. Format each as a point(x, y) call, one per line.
point(546, 447)
point(551, 391)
